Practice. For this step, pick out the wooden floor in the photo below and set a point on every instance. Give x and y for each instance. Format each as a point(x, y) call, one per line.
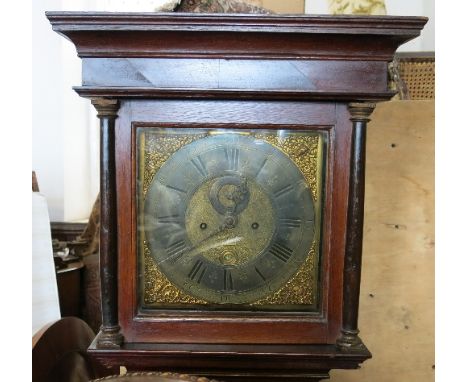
point(397, 294)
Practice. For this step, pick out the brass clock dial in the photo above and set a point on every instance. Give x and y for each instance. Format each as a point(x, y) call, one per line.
point(229, 218)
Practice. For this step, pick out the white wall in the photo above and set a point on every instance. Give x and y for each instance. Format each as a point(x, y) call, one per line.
point(63, 154)
point(397, 8)
point(416, 8)
point(65, 131)
point(47, 111)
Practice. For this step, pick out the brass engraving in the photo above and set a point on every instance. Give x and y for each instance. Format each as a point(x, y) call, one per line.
point(159, 290)
point(158, 148)
point(198, 211)
point(305, 150)
point(298, 290)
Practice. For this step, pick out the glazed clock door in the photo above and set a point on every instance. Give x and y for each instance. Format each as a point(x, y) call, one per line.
point(229, 218)
point(227, 222)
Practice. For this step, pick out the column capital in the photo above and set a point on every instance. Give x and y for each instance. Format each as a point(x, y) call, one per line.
point(361, 111)
point(105, 107)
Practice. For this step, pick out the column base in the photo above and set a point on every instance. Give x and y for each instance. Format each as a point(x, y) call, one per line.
point(350, 341)
point(109, 338)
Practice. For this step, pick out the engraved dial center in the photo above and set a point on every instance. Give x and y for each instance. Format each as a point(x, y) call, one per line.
point(237, 243)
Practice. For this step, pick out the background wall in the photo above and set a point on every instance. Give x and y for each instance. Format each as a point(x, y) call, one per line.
point(396, 8)
point(65, 139)
point(396, 313)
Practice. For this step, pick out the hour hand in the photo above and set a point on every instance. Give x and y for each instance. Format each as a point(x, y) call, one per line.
point(207, 243)
point(239, 194)
point(229, 194)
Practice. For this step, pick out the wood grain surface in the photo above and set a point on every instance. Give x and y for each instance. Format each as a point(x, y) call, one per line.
point(397, 290)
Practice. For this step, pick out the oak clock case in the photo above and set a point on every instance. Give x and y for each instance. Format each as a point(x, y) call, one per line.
point(229, 219)
point(206, 267)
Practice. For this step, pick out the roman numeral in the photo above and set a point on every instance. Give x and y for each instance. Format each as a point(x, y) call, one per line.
point(283, 190)
point(176, 250)
point(176, 189)
point(232, 157)
point(290, 222)
point(260, 274)
point(200, 166)
point(261, 168)
point(197, 272)
point(281, 252)
point(173, 219)
point(228, 285)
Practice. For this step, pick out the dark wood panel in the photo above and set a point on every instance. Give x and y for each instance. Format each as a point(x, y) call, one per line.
point(235, 113)
point(69, 283)
point(234, 362)
point(215, 74)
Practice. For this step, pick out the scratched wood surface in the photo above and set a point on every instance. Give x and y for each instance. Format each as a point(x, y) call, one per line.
point(397, 292)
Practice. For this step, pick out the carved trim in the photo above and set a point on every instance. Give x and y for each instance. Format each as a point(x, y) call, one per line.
point(395, 81)
point(136, 21)
point(361, 111)
point(106, 107)
point(203, 93)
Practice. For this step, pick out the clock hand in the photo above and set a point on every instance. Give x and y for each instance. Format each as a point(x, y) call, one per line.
point(203, 246)
point(238, 195)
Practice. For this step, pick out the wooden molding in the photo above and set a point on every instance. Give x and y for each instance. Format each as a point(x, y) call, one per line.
point(234, 36)
point(172, 93)
point(105, 107)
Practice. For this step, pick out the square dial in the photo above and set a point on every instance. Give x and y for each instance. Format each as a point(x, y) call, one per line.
point(229, 219)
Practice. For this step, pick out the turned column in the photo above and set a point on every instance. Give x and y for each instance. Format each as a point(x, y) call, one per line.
point(109, 336)
point(360, 113)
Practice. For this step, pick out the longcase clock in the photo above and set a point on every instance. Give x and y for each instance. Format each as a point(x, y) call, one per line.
point(232, 186)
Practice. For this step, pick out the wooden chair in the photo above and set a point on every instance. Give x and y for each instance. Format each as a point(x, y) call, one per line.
point(59, 355)
point(59, 352)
